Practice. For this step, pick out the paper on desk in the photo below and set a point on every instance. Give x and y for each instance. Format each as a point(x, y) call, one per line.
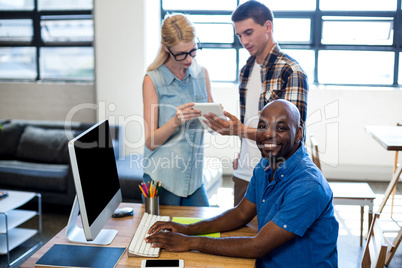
point(187, 220)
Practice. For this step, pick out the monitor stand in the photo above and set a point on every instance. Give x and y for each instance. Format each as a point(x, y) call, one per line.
point(76, 234)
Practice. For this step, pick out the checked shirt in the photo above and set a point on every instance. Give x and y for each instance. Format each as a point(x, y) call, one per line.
point(281, 77)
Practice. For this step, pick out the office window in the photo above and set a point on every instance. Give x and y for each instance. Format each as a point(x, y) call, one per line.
point(199, 5)
point(344, 42)
point(356, 67)
point(67, 63)
point(220, 63)
point(46, 40)
point(65, 5)
point(358, 5)
point(76, 29)
point(306, 59)
point(16, 5)
point(400, 69)
point(357, 31)
point(16, 30)
point(18, 63)
point(288, 5)
point(213, 29)
point(289, 30)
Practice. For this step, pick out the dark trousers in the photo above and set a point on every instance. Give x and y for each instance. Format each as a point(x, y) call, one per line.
point(240, 188)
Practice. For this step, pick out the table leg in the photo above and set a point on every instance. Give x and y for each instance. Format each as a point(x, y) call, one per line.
point(398, 238)
point(370, 217)
point(394, 247)
point(390, 187)
point(361, 224)
point(394, 189)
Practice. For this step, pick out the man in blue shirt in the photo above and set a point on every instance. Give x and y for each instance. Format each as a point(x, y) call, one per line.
point(289, 195)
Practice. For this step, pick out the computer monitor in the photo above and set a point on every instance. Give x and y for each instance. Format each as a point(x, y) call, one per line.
point(97, 185)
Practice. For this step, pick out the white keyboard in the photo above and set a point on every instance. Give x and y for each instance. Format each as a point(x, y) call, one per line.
point(138, 247)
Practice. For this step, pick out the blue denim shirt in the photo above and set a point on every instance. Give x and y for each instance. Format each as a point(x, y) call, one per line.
point(298, 200)
point(178, 163)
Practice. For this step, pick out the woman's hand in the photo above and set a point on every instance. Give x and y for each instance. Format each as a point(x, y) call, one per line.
point(185, 113)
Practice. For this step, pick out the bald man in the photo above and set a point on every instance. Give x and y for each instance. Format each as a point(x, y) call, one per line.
point(289, 195)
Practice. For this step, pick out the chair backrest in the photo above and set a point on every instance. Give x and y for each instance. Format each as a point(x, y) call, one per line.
point(375, 250)
point(314, 151)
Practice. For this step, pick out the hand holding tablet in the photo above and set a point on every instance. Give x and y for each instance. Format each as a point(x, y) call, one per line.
point(206, 108)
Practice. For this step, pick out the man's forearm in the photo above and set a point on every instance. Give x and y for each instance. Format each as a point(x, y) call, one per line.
point(242, 247)
point(247, 133)
point(224, 222)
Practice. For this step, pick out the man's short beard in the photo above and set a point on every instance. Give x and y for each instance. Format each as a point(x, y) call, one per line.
point(274, 161)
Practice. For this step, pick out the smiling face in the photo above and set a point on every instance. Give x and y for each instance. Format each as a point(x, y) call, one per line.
point(278, 131)
point(256, 38)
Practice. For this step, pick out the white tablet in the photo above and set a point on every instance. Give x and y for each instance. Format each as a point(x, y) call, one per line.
point(206, 108)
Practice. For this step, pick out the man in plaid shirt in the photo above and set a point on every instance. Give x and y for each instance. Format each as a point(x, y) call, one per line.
point(268, 75)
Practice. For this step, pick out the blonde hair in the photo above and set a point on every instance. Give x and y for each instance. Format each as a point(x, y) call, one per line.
point(175, 28)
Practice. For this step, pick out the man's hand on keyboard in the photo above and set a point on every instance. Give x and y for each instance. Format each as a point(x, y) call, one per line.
point(167, 226)
point(138, 247)
point(170, 241)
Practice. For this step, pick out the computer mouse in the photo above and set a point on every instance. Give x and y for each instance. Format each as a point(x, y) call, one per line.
point(123, 212)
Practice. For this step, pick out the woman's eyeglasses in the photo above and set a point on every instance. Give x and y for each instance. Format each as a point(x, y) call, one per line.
point(182, 56)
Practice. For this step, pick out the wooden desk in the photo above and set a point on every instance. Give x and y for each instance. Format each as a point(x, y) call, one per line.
point(390, 137)
point(127, 226)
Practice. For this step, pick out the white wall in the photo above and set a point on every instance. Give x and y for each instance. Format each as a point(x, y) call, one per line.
point(337, 117)
point(126, 40)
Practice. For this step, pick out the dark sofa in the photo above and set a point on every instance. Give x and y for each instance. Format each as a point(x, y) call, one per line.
point(34, 157)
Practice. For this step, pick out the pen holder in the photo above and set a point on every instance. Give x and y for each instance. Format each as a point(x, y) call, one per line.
point(152, 205)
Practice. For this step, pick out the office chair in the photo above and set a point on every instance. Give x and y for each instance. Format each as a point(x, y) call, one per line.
point(376, 246)
point(348, 193)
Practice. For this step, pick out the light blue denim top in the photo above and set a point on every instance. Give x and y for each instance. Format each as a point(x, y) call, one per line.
point(178, 163)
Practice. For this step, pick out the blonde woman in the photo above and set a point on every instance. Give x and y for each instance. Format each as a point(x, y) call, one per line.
point(174, 151)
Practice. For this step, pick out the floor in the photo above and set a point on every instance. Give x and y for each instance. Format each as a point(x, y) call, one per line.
point(349, 250)
point(53, 220)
